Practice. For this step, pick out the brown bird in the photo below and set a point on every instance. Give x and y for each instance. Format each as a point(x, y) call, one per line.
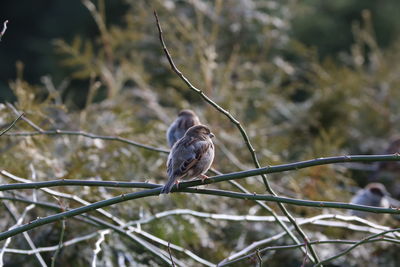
point(186, 119)
point(190, 157)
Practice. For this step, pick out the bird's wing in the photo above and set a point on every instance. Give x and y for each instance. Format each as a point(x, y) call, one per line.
point(180, 152)
point(200, 149)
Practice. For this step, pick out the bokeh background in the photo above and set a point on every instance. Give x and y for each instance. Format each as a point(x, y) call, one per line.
point(306, 78)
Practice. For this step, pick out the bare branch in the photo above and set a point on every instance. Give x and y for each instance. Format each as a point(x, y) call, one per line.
point(33, 125)
point(259, 258)
point(117, 220)
point(361, 242)
point(246, 140)
point(17, 224)
point(15, 214)
point(40, 131)
point(170, 255)
point(318, 242)
point(97, 248)
point(12, 124)
point(53, 259)
point(52, 248)
point(4, 29)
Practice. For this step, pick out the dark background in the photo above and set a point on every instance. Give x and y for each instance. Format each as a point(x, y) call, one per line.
point(33, 25)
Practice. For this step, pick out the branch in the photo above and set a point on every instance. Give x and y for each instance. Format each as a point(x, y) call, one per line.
point(33, 125)
point(15, 214)
point(55, 247)
point(103, 224)
point(245, 138)
point(4, 29)
point(317, 242)
point(120, 222)
point(40, 131)
point(317, 220)
point(156, 191)
point(264, 206)
point(79, 239)
point(184, 188)
point(12, 124)
point(361, 242)
point(170, 255)
point(17, 225)
point(211, 180)
point(321, 220)
point(97, 249)
point(55, 255)
point(92, 136)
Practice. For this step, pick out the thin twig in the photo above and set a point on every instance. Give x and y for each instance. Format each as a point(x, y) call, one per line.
point(97, 248)
point(17, 224)
point(15, 214)
point(263, 205)
point(318, 242)
point(362, 241)
point(53, 248)
point(245, 138)
point(12, 124)
point(40, 131)
point(317, 220)
point(259, 257)
point(33, 125)
point(170, 255)
point(4, 29)
point(53, 259)
point(321, 220)
point(92, 136)
point(306, 246)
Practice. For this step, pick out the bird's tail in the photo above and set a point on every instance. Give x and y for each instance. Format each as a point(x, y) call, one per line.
point(168, 186)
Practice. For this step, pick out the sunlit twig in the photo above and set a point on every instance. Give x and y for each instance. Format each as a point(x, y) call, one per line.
point(97, 248)
point(3, 31)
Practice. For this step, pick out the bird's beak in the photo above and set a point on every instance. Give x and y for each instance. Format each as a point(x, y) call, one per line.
point(211, 135)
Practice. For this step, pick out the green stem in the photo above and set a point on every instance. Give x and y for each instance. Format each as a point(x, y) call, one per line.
point(211, 180)
point(183, 188)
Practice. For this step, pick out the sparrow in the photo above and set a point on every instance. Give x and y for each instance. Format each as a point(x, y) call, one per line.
point(190, 157)
point(374, 194)
point(387, 172)
point(186, 119)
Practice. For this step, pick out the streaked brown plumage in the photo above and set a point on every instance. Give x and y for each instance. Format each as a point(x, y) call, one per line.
point(190, 157)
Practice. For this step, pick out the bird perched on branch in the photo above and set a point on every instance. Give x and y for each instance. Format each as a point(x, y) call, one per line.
point(388, 172)
point(186, 119)
point(190, 157)
point(374, 195)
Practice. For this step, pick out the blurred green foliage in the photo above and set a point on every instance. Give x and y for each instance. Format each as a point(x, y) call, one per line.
point(306, 79)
